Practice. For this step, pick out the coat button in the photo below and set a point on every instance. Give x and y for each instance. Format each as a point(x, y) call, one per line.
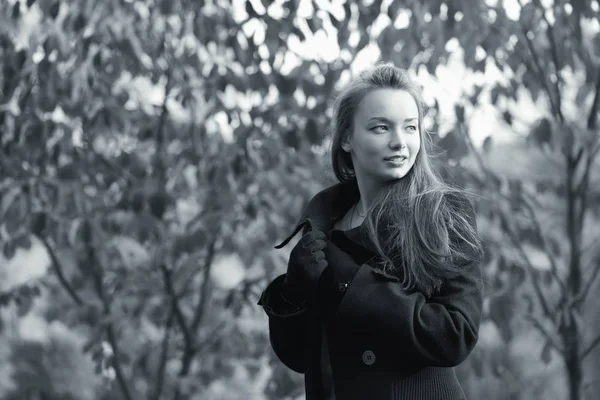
point(368, 357)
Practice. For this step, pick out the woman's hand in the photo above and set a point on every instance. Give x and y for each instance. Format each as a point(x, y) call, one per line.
point(307, 263)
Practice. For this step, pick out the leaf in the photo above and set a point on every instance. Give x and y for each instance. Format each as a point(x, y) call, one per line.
point(85, 231)
point(23, 241)
point(507, 116)
point(190, 242)
point(250, 10)
point(79, 22)
point(285, 85)
point(455, 145)
point(16, 11)
point(158, 202)
point(9, 198)
point(312, 132)
point(387, 39)
point(504, 222)
point(131, 251)
point(459, 110)
point(528, 14)
point(5, 298)
point(67, 172)
point(338, 24)
point(487, 144)
point(542, 133)
point(315, 24)
point(529, 304)
point(24, 304)
point(54, 10)
point(38, 223)
point(546, 354)
point(495, 93)
point(501, 313)
point(9, 249)
point(477, 364)
point(299, 33)
point(291, 139)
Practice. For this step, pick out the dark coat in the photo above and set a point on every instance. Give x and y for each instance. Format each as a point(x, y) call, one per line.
point(384, 343)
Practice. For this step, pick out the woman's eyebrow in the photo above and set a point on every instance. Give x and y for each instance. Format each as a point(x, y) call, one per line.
point(388, 120)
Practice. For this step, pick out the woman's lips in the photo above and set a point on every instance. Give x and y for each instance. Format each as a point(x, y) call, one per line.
point(397, 161)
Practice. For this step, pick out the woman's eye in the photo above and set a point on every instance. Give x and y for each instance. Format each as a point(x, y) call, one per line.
point(379, 127)
point(412, 127)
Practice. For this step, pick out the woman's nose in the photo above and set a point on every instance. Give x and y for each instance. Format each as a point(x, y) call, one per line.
point(397, 140)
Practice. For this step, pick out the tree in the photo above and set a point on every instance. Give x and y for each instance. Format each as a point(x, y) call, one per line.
point(550, 53)
point(117, 160)
point(146, 146)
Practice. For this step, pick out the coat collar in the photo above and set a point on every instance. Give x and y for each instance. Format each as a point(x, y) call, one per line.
point(331, 203)
point(326, 207)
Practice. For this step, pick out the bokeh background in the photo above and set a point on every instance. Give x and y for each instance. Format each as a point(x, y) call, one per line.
point(154, 152)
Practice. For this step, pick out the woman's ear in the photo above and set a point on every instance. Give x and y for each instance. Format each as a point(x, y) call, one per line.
point(346, 143)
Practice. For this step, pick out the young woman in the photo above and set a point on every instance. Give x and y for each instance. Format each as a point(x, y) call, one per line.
point(382, 296)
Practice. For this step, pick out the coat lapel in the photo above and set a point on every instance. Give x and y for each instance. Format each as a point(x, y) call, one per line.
point(325, 208)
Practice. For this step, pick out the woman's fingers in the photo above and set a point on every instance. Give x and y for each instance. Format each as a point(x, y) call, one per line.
point(314, 239)
point(317, 235)
point(318, 255)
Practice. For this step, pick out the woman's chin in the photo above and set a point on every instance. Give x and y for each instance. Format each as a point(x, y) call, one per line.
point(397, 173)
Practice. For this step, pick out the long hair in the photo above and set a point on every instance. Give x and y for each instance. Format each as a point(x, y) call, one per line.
point(423, 228)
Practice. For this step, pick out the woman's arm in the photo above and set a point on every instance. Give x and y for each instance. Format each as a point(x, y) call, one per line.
point(438, 331)
point(287, 326)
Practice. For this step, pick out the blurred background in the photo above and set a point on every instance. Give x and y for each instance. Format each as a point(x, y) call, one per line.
point(154, 152)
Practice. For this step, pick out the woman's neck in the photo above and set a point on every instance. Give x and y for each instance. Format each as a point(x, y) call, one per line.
point(368, 190)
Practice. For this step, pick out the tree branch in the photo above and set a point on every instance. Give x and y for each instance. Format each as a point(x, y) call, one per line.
point(117, 364)
point(96, 272)
point(211, 337)
point(187, 336)
point(594, 152)
point(537, 324)
point(545, 246)
point(536, 285)
point(582, 192)
point(160, 374)
point(573, 231)
point(540, 71)
point(591, 347)
point(199, 312)
point(553, 49)
point(58, 269)
point(203, 300)
point(582, 295)
point(593, 117)
point(538, 291)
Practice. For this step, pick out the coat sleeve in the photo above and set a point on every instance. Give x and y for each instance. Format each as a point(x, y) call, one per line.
point(439, 331)
point(288, 322)
point(287, 326)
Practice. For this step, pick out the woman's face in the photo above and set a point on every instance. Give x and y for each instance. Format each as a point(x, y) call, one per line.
point(385, 137)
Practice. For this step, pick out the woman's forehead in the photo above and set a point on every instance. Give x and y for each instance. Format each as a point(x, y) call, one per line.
point(389, 104)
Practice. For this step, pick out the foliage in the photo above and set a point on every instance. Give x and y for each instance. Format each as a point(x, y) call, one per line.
point(149, 146)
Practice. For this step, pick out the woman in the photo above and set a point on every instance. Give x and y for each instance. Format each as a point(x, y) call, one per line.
point(381, 296)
